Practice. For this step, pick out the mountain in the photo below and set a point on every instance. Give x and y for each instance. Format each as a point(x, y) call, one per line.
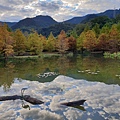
point(46, 24)
point(78, 20)
point(38, 21)
point(10, 24)
point(44, 21)
point(56, 29)
point(47, 21)
point(89, 17)
point(75, 20)
point(86, 18)
point(110, 13)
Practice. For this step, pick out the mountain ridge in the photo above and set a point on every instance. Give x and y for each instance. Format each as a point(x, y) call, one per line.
point(38, 21)
point(44, 21)
point(46, 24)
point(108, 13)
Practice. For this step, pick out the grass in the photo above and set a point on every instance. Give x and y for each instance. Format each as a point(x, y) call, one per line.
point(36, 56)
point(42, 55)
point(112, 55)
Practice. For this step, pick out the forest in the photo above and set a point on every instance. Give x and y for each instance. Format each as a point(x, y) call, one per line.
point(100, 34)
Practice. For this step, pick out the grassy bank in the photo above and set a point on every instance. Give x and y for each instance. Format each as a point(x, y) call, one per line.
point(112, 55)
point(42, 55)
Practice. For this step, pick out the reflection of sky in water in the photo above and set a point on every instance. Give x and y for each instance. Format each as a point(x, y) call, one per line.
point(103, 101)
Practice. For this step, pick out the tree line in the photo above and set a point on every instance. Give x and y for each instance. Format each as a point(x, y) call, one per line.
point(102, 39)
point(96, 38)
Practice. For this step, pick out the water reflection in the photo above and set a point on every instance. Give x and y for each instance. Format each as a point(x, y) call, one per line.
point(80, 108)
point(89, 68)
point(47, 73)
point(6, 75)
point(103, 102)
point(25, 106)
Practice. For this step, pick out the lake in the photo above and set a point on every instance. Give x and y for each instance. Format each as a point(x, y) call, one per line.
point(61, 79)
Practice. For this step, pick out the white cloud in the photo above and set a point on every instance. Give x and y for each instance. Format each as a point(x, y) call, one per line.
point(103, 101)
point(59, 9)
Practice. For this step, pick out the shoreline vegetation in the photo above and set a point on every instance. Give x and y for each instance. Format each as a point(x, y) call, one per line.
point(112, 55)
point(42, 55)
point(45, 55)
point(95, 36)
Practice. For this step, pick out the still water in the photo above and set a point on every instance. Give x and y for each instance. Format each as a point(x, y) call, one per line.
point(62, 79)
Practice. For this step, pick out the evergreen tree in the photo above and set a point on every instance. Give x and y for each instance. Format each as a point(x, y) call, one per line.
point(19, 38)
point(34, 44)
point(96, 29)
point(80, 40)
point(43, 42)
point(51, 43)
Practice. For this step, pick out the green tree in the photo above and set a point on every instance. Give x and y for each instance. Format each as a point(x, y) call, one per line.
point(72, 33)
point(51, 43)
point(96, 29)
point(87, 27)
point(118, 26)
point(34, 44)
point(79, 29)
point(105, 29)
point(80, 40)
point(101, 20)
point(19, 38)
point(117, 19)
point(43, 42)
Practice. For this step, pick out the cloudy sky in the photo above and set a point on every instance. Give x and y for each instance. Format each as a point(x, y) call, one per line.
point(15, 10)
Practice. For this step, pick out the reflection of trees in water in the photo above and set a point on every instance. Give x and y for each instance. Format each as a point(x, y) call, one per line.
point(100, 69)
point(63, 65)
point(7, 80)
point(92, 64)
point(29, 68)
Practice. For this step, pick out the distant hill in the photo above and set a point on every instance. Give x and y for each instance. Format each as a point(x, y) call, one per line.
point(56, 29)
point(110, 13)
point(78, 20)
point(10, 24)
point(46, 24)
point(86, 18)
point(38, 21)
point(75, 20)
point(89, 17)
point(44, 21)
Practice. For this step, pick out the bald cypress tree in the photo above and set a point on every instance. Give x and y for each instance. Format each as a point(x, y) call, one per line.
point(51, 43)
point(62, 42)
point(19, 38)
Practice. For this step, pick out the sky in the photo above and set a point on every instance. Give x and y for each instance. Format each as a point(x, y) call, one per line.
point(59, 10)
